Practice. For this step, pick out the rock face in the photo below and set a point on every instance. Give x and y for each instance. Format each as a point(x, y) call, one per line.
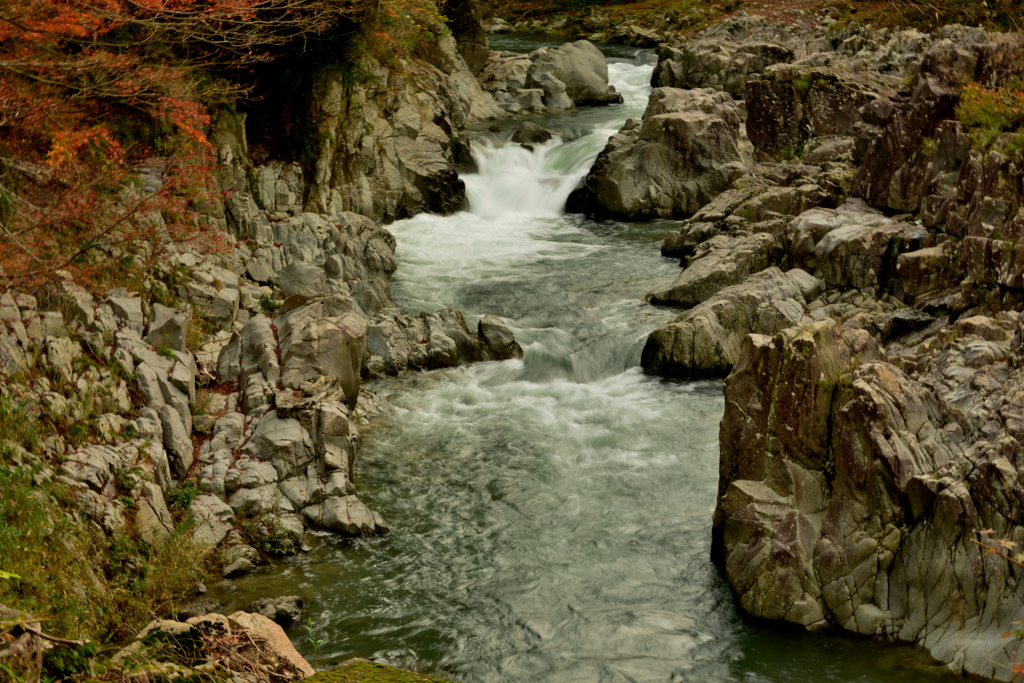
point(725, 56)
point(385, 148)
point(464, 21)
point(851, 492)
point(575, 74)
point(706, 340)
point(683, 153)
point(873, 420)
point(790, 104)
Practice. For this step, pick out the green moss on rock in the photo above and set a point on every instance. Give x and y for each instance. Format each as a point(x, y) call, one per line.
point(364, 671)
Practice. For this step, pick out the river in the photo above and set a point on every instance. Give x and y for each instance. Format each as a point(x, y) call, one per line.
point(552, 516)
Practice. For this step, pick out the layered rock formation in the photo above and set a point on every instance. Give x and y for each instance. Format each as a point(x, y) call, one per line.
point(381, 141)
point(239, 374)
point(853, 489)
point(874, 397)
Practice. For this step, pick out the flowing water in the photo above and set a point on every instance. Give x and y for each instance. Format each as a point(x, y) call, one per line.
point(552, 515)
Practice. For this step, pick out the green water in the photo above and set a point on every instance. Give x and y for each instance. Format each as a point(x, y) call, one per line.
point(552, 516)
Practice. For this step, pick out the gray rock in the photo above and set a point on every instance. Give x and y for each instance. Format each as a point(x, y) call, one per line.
point(129, 310)
point(498, 338)
point(300, 278)
point(728, 263)
point(214, 519)
point(706, 340)
point(283, 442)
point(579, 67)
point(316, 344)
point(153, 522)
point(683, 154)
point(346, 515)
point(285, 610)
point(167, 328)
point(176, 440)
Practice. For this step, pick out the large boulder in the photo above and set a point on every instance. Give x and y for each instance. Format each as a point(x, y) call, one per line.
point(682, 154)
point(728, 261)
point(706, 340)
point(319, 340)
point(579, 67)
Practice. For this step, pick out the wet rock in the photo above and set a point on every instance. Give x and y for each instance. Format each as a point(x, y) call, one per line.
point(346, 515)
point(579, 67)
point(285, 610)
point(500, 342)
point(728, 263)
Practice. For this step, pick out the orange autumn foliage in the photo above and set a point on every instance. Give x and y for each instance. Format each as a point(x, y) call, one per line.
point(91, 93)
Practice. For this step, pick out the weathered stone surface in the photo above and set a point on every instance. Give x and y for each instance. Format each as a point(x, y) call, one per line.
point(346, 515)
point(714, 63)
point(684, 153)
point(176, 440)
point(729, 262)
point(167, 328)
point(285, 610)
point(850, 492)
point(581, 70)
point(315, 343)
point(706, 340)
point(266, 631)
point(788, 104)
point(285, 443)
point(500, 342)
point(214, 518)
point(153, 521)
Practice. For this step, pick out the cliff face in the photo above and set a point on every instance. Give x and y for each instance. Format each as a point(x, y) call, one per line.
point(861, 286)
point(380, 141)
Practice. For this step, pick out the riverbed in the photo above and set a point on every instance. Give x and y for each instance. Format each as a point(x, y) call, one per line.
point(551, 516)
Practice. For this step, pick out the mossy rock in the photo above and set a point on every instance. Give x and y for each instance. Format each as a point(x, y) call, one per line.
point(364, 671)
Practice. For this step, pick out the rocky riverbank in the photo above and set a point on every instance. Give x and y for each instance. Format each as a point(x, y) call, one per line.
point(856, 278)
point(849, 244)
point(217, 404)
point(214, 410)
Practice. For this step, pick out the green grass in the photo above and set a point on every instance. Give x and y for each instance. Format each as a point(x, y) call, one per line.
point(80, 582)
point(17, 425)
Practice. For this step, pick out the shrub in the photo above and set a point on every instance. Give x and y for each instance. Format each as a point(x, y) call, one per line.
point(988, 113)
point(82, 582)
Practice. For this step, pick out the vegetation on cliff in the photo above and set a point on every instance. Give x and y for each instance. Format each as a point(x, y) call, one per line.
point(104, 154)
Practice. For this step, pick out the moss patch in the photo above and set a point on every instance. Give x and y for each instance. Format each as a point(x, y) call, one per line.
point(363, 671)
